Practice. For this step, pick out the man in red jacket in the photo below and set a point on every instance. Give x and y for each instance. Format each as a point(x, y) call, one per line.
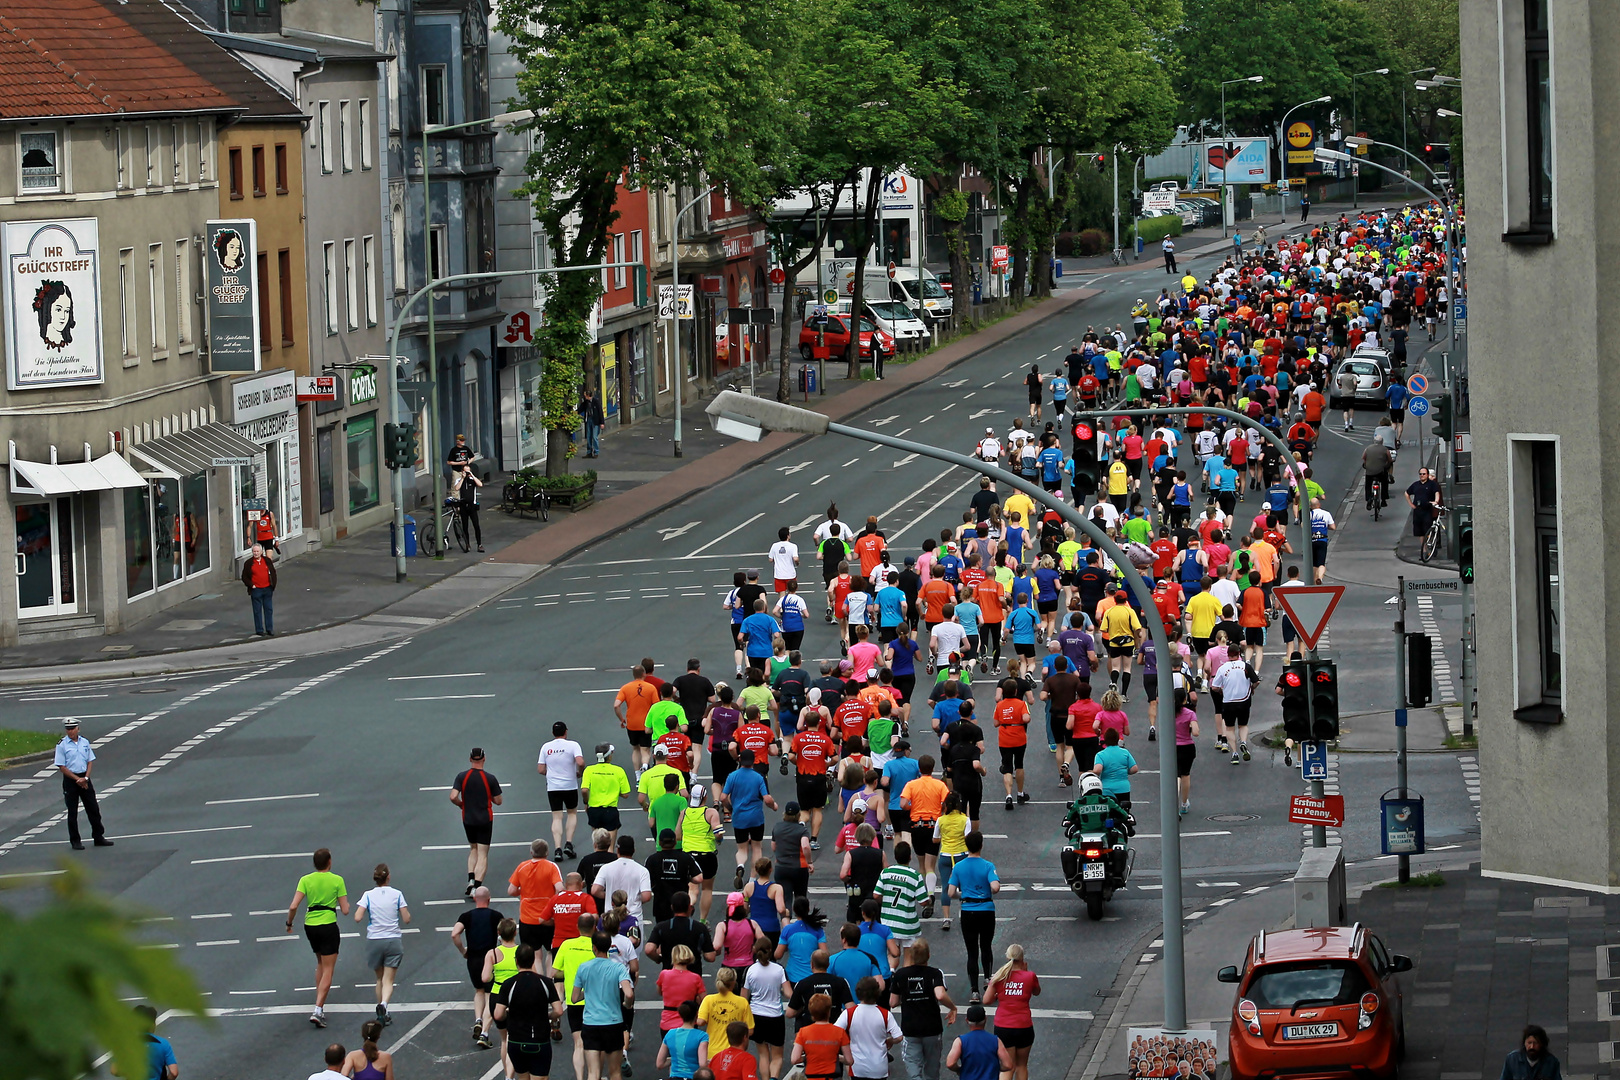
point(259, 575)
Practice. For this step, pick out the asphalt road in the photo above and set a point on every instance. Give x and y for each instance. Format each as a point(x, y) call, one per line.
point(216, 787)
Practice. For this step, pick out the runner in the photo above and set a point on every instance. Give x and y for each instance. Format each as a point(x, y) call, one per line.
point(474, 934)
point(561, 762)
point(476, 793)
point(604, 784)
point(535, 881)
point(747, 795)
point(1186, 748)
point(384, 911)
point(1014, 987)
point(1012, 739)
point(700, 833)
point(326, 895)
point(975, 883)
point(630, 707)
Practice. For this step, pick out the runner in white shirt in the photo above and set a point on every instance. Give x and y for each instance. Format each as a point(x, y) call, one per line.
point(385, 912)
point(561, 762)
point(1232, 680)
point(784, 559)
point(627, 874)
point(989, 448)
point(872, 1031)
point(1017, 437)
point(947, 638)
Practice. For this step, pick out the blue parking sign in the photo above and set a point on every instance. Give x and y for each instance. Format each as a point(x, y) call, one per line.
point(1313, 760)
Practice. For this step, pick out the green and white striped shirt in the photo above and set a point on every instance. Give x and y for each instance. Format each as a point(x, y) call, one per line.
point(901, 891)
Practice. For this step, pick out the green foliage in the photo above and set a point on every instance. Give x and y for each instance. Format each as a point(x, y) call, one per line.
point(1152, 230)
point(63, 973)
point(1432, 880)
point(569, 482)
point(17, 743)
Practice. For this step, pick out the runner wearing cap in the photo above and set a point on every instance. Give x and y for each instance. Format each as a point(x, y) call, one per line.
point(561, 761)
point(476, 793)
point(989, 448)
point(1123, 634)
point(603, 784)
point(700, 832)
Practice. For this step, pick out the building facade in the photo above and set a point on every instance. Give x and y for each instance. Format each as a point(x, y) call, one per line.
point(1534, 99)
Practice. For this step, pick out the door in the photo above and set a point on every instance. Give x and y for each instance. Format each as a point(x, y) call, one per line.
point(45, 562)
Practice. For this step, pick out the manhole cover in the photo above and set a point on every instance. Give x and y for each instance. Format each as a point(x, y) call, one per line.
point(1231, 818)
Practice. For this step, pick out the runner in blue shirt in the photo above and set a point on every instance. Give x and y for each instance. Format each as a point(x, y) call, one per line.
point(975, 882)
point(747, 794)
point(1397, 395)
point(891, 602)
point(968, 614)
point(1050, 460)
point(1022, 623)
point(759, 628)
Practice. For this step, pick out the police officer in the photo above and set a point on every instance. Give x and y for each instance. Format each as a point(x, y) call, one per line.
point(74, 759)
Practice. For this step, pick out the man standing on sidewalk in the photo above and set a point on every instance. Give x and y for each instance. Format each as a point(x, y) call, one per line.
point(590, 410)
point(1169, 248)
point(259, 575)
point(74, 760)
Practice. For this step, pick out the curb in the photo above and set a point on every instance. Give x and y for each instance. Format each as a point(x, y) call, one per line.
point(26, 759)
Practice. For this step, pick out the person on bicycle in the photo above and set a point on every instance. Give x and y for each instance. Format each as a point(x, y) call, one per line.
point(1376, 463)
point(1423, 496)
point(464, 490)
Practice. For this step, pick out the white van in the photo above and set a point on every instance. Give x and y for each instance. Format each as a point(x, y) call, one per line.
point(925, 296)
point(892, 317)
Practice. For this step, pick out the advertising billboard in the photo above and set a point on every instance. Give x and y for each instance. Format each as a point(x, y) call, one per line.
point(1247, 162)
point(233, 296)
point(1301, 136)
point(53, 304)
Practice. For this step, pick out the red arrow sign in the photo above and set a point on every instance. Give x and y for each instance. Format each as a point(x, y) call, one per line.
point(1317, 810)
point(1309, 607)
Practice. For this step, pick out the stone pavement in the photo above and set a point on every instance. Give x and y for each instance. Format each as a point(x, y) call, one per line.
point(344, 595)
point(1488, 958)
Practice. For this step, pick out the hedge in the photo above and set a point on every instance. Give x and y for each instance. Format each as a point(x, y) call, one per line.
point(568, 482)
point(1152, 230)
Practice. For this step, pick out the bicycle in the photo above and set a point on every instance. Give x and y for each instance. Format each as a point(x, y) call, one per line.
point(1118, 255)
point(455, 525)
point(1377, 502)
point(1436, 534)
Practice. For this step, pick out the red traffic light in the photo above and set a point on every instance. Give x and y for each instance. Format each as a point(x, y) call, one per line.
point(1428, 148)
point(1324, 676)
point(1084, 432)
point(1293, 679)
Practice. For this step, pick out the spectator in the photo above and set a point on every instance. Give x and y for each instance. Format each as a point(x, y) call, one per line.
point(259, 576)
point(1532, 1060)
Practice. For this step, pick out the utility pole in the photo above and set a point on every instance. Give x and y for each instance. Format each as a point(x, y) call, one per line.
point(1403, 862)
point(1116, 196)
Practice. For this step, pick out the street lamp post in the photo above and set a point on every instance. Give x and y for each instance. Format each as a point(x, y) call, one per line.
point(749, 418)
point(1282, 131)
point(432, 434)
point(679, 386)
point(1355, 140)
point(1228, 212)
point(1415, 71)
point(1355, 176)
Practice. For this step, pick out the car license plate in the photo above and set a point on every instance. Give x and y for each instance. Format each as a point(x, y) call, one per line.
point(1093, 871)
point(1311, 1031)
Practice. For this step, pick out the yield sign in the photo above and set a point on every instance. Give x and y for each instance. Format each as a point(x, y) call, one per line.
point(1309, 607)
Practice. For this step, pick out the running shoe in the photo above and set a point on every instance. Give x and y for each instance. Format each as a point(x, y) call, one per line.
point(1023, 796)
point(974, 999)
point(1065, 778)
point(318, 1018)
point(946, 925)
point(484, 1041)
point(1009, 802)
point(1244, 748)
point(1236, 760)
point(815, 845)
point(382, 1014)
point(624, 1067)
point(478, 1025)
point(568, 850)
point(1153, 733)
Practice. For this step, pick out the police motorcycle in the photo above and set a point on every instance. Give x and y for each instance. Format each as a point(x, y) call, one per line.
point(1097, 860)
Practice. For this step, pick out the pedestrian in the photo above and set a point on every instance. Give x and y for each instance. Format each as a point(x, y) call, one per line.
point(976, 1054)
point(1014, 986)
point(784, 556)
point(602, 985)
point(672, 872)
point(1186, 748)
point(464, 489)
point(259, 576)
point(1423, 496)
point(265, 530)
point(792, 856)
point(385, 913)
point(335, 1056)
point(474, 934)
point(1169, 249)
point(767, 901)
point(75, 758)
point(590, 411)
point(627, 874)
point(768, 989)
point(974, 881)
point(872, 1029)
point(1305, 206)
point(863, 865)
point(561, 762)
point(161, 1062)
point(500, 964)
point(535, 881)
point(724, 1006)
point(1322, 523)
point(368, 1062)
point(477, 793)
point(1012, 738)
point(604, 784)
point(745, 792)
point(326, 895)
point(735, 936)
point(820, 1048)
point(918, 991)
point(801, 938)
point(630, 707)
point(526, 1009)
point(1532, 1060)
point(570, 954)
point(1032, 382)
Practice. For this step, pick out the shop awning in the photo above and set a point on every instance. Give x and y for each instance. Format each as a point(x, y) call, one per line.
point(210, 446)
point(103, 474)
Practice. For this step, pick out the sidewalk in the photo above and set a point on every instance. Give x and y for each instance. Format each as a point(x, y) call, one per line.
point(1488, 957)
point(344, 595)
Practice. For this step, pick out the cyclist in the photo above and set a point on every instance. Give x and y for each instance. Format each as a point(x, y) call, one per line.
point(1376, 463)
point(1423, 496)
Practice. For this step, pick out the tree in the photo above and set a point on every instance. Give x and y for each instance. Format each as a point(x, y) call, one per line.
point(651, 92)
point(63, 973)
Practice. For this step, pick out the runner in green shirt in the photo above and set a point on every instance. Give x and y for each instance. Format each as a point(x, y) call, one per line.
point(668, 808)
point(666, 715)
point(326, 895)
point(603, 783)
point(651, 784)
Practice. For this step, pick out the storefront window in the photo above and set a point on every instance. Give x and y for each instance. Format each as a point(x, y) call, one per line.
point(137, 541)
point(194, 538)
point(361, 436)
point(246, 486)
point(323, 469)
point(166, 531)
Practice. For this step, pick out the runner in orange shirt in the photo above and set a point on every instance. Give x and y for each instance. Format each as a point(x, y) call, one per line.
point(869, 547)
point(1012, 735)
point(988, 594)
point(635, 699)
point(535, 881)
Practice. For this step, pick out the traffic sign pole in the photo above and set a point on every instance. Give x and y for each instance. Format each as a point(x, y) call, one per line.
point(1403, 862)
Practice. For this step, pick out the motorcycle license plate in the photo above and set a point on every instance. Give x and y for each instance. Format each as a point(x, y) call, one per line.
point(1311, 1031)
point(1093, 872)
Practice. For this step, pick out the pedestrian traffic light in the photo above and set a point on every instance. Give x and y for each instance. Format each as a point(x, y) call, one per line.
point(1442, 418)
point(399, 445)
point(1419, 670)
point(1465, 552)
point(1296, 706)
point(1136, 206)
point(1324, 688)
point(1428, 148)
point(1101, 161)
point(1085, 458)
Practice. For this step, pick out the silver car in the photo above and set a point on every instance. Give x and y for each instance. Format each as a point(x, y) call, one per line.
point(1371, 381)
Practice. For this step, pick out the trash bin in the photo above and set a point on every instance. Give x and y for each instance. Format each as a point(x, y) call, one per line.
point(1138, 246)
point(1400, 824)
point(410, 538)
point(807, 379)
point(978, 293)
point(1057, 268)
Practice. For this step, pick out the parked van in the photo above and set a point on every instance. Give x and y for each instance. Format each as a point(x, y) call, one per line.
point(892, 317)
point(925, 296)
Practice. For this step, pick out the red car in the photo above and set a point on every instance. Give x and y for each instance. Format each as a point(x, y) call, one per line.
point(836, 331)
point(1317, 1003)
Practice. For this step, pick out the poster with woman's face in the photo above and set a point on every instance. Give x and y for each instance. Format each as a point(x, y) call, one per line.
point(53, 304)
point(233, 306)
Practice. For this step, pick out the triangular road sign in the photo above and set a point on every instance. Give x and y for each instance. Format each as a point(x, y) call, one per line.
point(1309, 607)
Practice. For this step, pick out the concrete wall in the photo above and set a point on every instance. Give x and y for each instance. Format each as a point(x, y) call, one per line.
point(1539, 354)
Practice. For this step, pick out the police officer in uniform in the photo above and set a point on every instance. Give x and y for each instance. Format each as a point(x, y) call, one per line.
point(74, 759)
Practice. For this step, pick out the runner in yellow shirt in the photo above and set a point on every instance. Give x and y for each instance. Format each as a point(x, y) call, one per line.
point(1121, 631)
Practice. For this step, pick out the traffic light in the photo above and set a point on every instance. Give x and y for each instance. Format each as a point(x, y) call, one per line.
point(1324, 688)
point(1419, 670)
point(640, 285)
point(399, 445)
point(1465, 552)
point(1085, 458)
point(1101, 161)
point(1428, 148)
point(1442, 418)
point(1136, 206)
point(1296, 703)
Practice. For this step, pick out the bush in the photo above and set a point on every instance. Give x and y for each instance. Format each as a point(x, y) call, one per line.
point(1090, 242)
point(565, 484)
point(1152, 230)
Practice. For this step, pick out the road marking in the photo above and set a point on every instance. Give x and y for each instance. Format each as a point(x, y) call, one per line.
point(907, 460)
point(445, 788)
point(463, 847)
point(723, 535)
point(609, 690)
point(556, 670)
point(253, 858)
point(942, 501)
point(227, 941)
point(262, 798)
point(790, 495)
point(417, 1030)
point(850, 462)
point(90, 716)
point(452, 675)
point(896, 416)
point(137, 836)
point(813, 483)
point(214, 915)
point(456, 697)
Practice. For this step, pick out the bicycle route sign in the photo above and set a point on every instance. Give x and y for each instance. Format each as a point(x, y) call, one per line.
point(1418, 406)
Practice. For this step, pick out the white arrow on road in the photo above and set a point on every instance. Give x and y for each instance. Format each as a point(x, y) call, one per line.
point(908, 459)
point(1392, 600)
point(789, 470)
point(954, 385)
point(885, 420)
point(670, 534)
point(812, 519)
point(986, 412)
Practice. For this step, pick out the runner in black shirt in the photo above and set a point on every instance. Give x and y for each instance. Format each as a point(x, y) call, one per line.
point(477, 793)
point(592, 864)
point(680, 929)
point(966, 741)
point(819, 981)
point(524, 1010)
point(918, 991)
point(673, 873)
point(694, 692)
point(474, 934)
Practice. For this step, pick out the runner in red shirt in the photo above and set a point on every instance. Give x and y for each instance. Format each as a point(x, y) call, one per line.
point(1012, 736)
point(753, 735)
point(851, 718)
point(680, 753)
point(812, 750)
point(735, 1062)
point(563, 910)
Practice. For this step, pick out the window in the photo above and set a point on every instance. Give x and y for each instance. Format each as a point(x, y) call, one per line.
point(351, 285)
point(433, 103)
point(369, 255)
point(182, 294)
point(1529, 146)
point(1537, 579)
point(157, 308)
point(137, 541)
point(151, 156)
point(470, 410)
point(391, 76)
point(329, 288)
point(281, 169)
point(40, 153)
point(360, 437)
point(166, 534)
point(396, 234)
point(438, 252)
point(345, 132)
point(263, 265)
point(365, 133)
point(121, 152)
point(1538, 112)
point(258, 172)
point(126, 305)
point(618, 257)
point(325, 482)
point(178, 143)
point(205, 144)
point(235, 157)
point(285, 283)
point(324, 133)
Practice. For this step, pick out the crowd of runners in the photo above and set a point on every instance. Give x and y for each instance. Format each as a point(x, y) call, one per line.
point(870, 692)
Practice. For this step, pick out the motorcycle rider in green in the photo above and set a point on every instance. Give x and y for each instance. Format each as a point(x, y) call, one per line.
point(1091, 811)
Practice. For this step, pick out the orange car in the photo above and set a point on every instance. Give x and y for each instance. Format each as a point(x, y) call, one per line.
point(1317, 1003)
